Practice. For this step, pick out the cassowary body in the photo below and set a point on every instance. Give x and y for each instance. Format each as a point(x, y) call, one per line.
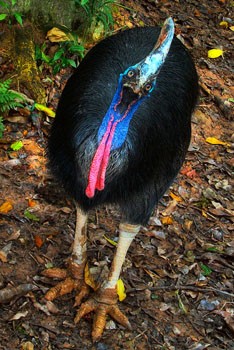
point(132, 163)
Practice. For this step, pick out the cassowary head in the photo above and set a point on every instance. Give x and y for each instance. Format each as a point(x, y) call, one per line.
point(135, 85)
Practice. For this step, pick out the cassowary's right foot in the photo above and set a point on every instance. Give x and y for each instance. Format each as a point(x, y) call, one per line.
point(73, 279)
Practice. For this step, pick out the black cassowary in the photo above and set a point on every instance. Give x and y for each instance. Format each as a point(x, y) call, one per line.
point(120, 136)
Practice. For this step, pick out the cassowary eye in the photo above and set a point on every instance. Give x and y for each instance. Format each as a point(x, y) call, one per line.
point(148, 87)
point(131, 73)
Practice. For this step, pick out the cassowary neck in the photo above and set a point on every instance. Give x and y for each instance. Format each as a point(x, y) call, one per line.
point(112, 134)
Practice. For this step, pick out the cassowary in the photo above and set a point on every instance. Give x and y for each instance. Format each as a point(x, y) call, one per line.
point(120, 136)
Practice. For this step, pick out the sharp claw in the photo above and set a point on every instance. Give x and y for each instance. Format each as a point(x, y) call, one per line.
point(118, 316)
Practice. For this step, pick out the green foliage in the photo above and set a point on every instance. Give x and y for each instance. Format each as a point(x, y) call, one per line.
point(9, 99)
point(98, 14)
point(206, 271)
point(9, 13)
point(61, 58)
point(1, 127)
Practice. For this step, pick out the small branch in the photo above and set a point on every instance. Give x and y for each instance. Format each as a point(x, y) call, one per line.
point(192, 288)
point(8, 293)
point(225, 109)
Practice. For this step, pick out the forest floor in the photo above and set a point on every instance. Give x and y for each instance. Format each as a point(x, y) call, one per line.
point(179, 270)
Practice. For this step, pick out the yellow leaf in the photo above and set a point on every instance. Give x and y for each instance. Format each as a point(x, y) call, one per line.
point(215, 53)
point(214, 141)
point(167, 220)
point(56, 35)
point(89, 278)
point(110, 240)
point(232, 28)
point(6, 207)
point(204, 214)
point(45, 109)
point(121, 290)
point(224, 24)
point(174, 196)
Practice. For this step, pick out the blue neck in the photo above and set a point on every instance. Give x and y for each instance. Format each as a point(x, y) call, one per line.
point(123, 125)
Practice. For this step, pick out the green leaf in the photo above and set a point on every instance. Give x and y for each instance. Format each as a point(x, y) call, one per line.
point(13, 2)
point(180, 302)
point(1, 127)
point(72, 63)
point(3, 16)
point(45, 58)
point(84, 2)
point(16, 146)
point(4, 4)
point(30, 216)
point(18, 18)
point(57, 55)
point(212, 249)
point(231, 99)
point(206, 271)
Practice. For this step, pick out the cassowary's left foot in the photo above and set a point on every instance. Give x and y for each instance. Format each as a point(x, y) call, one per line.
point(103, 303)
point(72, 279)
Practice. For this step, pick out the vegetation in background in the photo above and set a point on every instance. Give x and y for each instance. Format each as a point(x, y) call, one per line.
point(67, 54)
point(9, 99)
point(9, 13)
point(99, 17)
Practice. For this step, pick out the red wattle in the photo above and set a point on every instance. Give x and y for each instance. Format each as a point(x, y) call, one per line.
point(97, 173)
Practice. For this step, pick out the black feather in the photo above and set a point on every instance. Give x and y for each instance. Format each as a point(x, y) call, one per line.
point(139, 172)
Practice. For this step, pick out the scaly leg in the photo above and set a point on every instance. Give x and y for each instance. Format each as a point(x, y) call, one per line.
point(74, 275)
point(104, 301)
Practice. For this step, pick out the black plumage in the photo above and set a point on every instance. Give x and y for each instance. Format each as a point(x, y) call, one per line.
point(142, 169)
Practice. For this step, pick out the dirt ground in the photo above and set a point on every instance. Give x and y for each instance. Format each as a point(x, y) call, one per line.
point(179, 270)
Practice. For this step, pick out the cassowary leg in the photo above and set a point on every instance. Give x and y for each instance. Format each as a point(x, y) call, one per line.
point(73, 277)
point(104, 300)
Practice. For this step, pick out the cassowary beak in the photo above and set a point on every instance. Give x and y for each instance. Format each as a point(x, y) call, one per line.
point(141, 77)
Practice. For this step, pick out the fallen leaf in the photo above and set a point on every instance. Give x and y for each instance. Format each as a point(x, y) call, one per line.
point(31, 203)
point(30, 216)
point(121, 290)
point(27, 346)
point(187, 225)
point(223, 24)
point(3, 256)
point(232, 28)
point(89, 278)
point(16, 146)
point(214, 141)
point(6, 207)
point(19, 315)
point(215, 53)
point(181, 304)
point(32, 147)
point(56, 35)
point(38, 241)
point(110, 241)
point(45, 109)
point(174, 196)
point(167, 220)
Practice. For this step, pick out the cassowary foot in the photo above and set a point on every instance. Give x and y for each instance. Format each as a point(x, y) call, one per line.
point(73, 279)
point(103, 303)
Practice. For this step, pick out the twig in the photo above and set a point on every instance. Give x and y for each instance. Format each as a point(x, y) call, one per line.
point(8, 293)
point(192, 288)
point(225, 109)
